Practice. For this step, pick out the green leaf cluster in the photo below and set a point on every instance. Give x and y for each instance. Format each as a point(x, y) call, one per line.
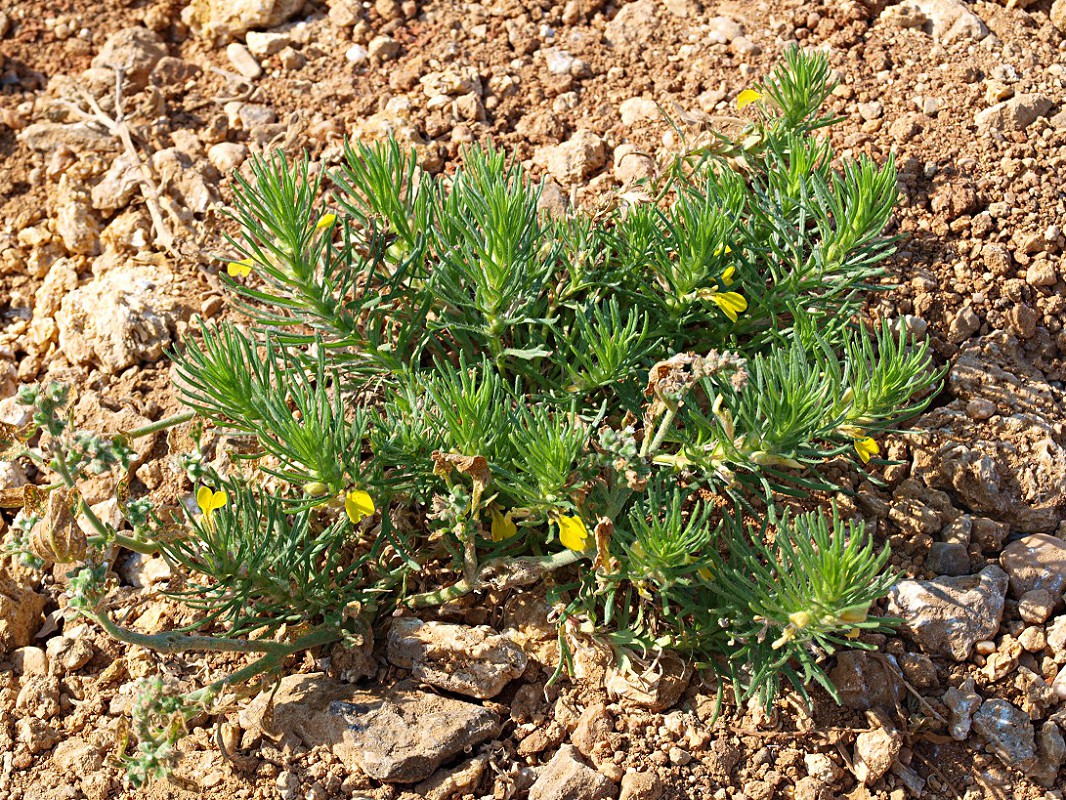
point(637, 386)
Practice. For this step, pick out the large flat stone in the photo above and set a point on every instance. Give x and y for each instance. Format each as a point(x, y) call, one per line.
point(396, 735)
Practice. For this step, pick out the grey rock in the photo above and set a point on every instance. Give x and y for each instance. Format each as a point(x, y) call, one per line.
point(1011, 468)
point(631, 164)
point(243, 61)
point(76, 757)
point(913, 517)
point(964, 324)
point(36, 735)
point(558, 61)
point(268, 43)
point(225, 20)
point(723, 30)
point(1058, 686)
point(656, 689)
point(119, 184)
point(1037, 605)
point(70, 653)
point(1034, 562)
point(357, 54)
point(641, 786)
point(575, 159)
point(951, 20)
point(946, 558)
point(474, 661)
point(396, 735)
point(29, 661)
point(865, 680)
point(227, 156)
point(1015, 114)
point(1057, 14)
point(1051, 752)
point(1008, 731)
point(123, 317)
point(947, 616)
point(134, 50)
point(634, 24)
point(45, 137)
point(141, 571)
point(568, 777)
point(875, 753)
point(962, 701)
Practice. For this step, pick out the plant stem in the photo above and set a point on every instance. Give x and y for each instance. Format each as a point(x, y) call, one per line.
point(127, 542)
point(174, 642)
point(500, 573)
point(104, 533)
point(264, 664)
point(651, 445)
point(163, 424)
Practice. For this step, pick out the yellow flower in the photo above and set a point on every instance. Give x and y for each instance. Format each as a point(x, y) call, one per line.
point(723, 248)
point(358, 504)
point(325, 222)
point(867, 448)
point(747, 97)
point(572, 532)
point(799, 619)
point(240, 269)
point(728, 275)
point(855, 614)
point(787, 635)
point(731, 303)
point(209, 501)
point(503, 526)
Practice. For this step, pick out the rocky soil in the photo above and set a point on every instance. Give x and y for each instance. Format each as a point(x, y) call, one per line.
point(107, 220)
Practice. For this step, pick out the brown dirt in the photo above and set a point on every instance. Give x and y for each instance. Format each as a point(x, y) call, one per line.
point(969, 197)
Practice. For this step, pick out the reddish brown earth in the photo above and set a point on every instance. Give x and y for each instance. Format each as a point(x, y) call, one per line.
point(979, 266)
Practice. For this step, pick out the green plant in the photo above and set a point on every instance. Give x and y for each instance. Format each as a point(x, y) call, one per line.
point(442, 389)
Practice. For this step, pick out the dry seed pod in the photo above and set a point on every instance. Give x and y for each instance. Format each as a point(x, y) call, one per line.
point(58, 538)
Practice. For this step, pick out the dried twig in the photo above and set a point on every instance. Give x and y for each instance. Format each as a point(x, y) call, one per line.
point(118, 127)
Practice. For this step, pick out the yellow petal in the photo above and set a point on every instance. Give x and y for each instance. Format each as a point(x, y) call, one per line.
point(240, 269)
point(358, 504)
point(728, 275)
point(704, 572)
point(502, 526)
point(218, 499)
point(799, 619)
point(731, 303)
point(326, 221)
point(747, 97)
point(867, 448)
point(573, 533)
point(855, 614)
point(203, 498)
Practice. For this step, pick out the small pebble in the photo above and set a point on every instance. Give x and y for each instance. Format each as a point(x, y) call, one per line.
point(243, 61)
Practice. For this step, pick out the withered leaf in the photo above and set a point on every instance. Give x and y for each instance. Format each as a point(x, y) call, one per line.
point(13, 440)
point(477, 467)
point(58, 538)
